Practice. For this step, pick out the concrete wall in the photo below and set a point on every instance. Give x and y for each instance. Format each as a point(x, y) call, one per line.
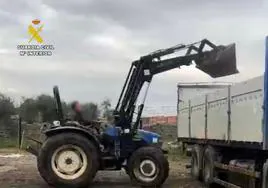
point(163, 120)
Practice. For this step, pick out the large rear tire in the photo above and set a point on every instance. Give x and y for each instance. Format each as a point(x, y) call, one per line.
point(68, 160)
point(148, 167)
point(210, 156)
point(196, 162)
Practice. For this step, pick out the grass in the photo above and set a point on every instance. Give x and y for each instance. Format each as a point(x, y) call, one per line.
point(174, 153)
point(10, 150)
point(8, 142)
point(10, 145)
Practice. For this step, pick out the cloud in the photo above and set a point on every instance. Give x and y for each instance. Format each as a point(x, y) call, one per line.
point(4, 51)
point(96, 41)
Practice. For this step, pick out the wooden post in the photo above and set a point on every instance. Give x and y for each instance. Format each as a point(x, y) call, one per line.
point(22, 139)
point(19, 132)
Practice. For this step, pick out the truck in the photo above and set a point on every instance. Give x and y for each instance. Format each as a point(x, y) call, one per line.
point(225, 131)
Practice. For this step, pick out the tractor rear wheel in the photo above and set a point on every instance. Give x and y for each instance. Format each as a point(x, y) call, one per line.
point(148, 167)
point(68, 160)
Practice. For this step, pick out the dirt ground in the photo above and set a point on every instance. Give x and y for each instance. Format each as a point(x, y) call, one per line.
point(18, 169)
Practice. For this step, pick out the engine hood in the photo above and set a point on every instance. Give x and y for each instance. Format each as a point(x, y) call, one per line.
point(149, 137)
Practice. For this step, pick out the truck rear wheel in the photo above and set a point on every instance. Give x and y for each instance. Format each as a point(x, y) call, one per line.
point(68, 160)
point(196, 162)
point(208, 165)
point(148, 167)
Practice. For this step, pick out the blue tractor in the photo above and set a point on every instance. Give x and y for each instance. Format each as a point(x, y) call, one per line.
point(73, 152)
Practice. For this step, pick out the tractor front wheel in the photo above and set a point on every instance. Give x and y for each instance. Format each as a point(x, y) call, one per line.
point(148, 167)
point(68, 160)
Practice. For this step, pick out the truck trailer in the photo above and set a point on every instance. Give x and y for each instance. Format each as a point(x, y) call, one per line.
point(226, 132)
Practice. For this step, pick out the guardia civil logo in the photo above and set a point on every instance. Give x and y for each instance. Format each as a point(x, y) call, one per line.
point(35, 30)
point(36, 45)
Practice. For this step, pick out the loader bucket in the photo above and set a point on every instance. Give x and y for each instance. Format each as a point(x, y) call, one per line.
point(218, 62)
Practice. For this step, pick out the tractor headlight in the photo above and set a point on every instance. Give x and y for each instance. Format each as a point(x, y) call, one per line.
point(157, 141)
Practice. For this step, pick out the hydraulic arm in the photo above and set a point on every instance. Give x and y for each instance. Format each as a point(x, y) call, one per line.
point(217, 61)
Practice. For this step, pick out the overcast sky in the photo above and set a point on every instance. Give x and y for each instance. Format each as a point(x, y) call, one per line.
point(96, 41)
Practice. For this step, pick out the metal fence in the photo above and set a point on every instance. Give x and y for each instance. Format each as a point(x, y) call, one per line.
point(14, 132)
point(9, 132)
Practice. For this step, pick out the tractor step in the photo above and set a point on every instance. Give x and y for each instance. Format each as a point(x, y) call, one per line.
point(110, 163)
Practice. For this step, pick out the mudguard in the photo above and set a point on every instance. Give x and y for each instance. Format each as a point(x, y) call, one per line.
point(50, 131)
point(74, 129)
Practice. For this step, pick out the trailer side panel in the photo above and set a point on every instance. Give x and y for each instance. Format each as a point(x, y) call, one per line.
point(230, 114)
point(246, 110)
